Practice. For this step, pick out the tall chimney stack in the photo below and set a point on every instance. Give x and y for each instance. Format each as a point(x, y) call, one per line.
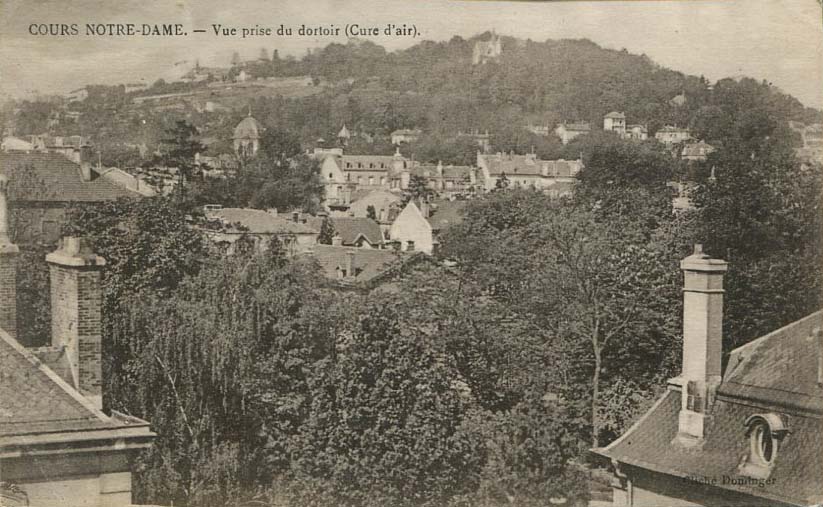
point(8, 266)
point(702, 340)
point(76, 300)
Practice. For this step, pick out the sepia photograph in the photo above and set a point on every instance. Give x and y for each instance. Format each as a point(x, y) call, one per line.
point(397, 253)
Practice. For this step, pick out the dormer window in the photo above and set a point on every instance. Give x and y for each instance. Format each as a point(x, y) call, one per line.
point(765, 432)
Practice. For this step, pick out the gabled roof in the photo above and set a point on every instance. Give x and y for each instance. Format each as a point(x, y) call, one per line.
point(369, 263)
point(257, 221)
point(775, 373)
point(53, 177)
point(363, 162)
point(350, 229)
point(38, 406)
point(528, 165)
point(616, 115)
point(450, 172)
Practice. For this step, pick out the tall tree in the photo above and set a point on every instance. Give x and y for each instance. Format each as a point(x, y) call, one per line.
point(182, 143)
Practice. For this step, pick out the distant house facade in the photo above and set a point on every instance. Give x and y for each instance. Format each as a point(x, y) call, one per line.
point(411, 230)
point(446, 181)
point(637, 132)
point(236, 228)
point(696, 152)
point(57, 446)
point(527, 171)
point(568, 131)
point(670, 135)
point(344, 174)
point(747, 436)
point(615, 122)
point(419, 225)
point(403, 136)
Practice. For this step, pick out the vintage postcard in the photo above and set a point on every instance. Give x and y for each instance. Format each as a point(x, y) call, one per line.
point(447, 253)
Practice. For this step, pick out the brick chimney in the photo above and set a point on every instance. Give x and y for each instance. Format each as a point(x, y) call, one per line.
point(76, 299)
point(702, 341)
point(8, 266)
point(337, 240)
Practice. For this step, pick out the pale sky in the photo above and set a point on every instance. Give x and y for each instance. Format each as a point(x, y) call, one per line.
point(780, 41)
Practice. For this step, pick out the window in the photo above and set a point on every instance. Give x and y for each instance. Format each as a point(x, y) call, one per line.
point(330, 176)
point(765, 432)
point(383, 180)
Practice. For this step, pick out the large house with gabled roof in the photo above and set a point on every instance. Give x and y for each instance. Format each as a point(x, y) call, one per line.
point(44, 187)
point(751, 435)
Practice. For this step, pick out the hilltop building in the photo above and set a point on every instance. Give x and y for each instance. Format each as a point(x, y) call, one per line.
point(636, 132)
point(749, 435)
point(615, 122)
point(696, 152)
point(57, 445)
point(401, 136)
point(568, 131)
point(670, 135)
point(486, 51)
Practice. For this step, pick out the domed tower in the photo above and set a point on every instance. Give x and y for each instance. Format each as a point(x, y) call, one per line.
point(247, 137)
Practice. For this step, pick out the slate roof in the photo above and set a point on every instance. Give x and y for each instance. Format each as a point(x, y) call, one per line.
point(351, 228)
point(528, 165)
point(446, 214)
point(262, 222)
point(450, 172)
point(33, 402)
point(369, 263)
point(616, 115)
point(366, 162)
point(61, 179)
point(775, 373)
